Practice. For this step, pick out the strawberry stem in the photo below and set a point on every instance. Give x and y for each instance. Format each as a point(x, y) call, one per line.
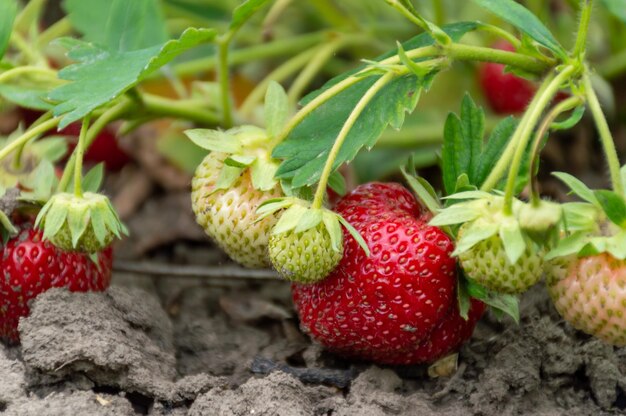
point(78, 163)
point(345, 130)
point(28, 135)
point(544, 128)
point(524, 131)
point(583, 28)
point(605, 136)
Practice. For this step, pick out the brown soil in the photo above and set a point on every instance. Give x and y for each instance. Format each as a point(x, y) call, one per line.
point(179, 347)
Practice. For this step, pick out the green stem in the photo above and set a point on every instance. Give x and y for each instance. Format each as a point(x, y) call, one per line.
point(583, 29)
point(439, 12)
point(28, 135)
point(457, 51)
point(20, 43)
point(501, 33)
point(341, 137)
point(223, 75)
point(276, 48)
point(78, 163)
point(329, 12)
point(524, 131)
point(185, 109)
point(543, 129)
point(279, 74)
point(110, 115)
point(605, 136)
point(56, 30)
point(17, 159)
point(21, 70)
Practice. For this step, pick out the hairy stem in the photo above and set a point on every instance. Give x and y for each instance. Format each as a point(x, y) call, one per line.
point(223, 75)
point(28, 135)
point(26, 70)
point(78, 163)
point(343, 134)
point(543, 129)
point(186, 109)
point(605, 136)
point(583, 28)
point(17, 159)
point(524, 131)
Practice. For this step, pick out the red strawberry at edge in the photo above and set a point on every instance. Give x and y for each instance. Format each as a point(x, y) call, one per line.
point(398, 306)
point(30, 266)
point(506, 93)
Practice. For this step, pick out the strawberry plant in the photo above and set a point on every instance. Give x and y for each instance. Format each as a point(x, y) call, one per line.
point(384, 274)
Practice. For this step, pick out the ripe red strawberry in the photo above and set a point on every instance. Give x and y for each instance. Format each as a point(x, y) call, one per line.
point(506, 93)
point(590, 294)
point(31, 266)
point(399, 305)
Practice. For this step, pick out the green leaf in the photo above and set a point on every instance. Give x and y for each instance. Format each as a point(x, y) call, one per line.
point(577, 187)
point(416, 69)
point(307, 147)
point(454, 154)
point(310, 219)
point(52, 148)
point(8, 11)
point(473, 125)
point(520, 17)
point(27, 97)
point(507, 304)
point(118, 25)
point(101, 76)
point(93, 179)
point(244, 12)
point(276, 109)
point(337, 183)
point(214, 140)
point(617, 8)
point(494, 148)
point(289, 219)
point(613, 206)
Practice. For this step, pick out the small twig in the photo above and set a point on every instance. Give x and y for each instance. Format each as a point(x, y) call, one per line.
point(201, 272)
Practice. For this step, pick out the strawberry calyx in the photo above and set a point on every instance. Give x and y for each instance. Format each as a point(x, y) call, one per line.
point(247, 148)
point(595, 226)
point(86, 223)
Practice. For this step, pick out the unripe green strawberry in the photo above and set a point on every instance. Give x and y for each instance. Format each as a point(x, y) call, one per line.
point(487, 263)
point(86, 223)
point(304, 257)
point(228, 215)
point(590, 294)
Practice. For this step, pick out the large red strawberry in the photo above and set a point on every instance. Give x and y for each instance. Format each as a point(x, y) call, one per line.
point(506, 93)
point(399, 305)
point(31, 266)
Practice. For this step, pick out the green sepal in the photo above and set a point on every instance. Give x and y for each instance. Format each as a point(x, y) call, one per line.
point(474, 234)
point(468, 195)
point(77, 222)
point(355, 234)
point(310, 219)
point(214, 140)
point(239, 161)
point(424, 191)
point(502, 303)
point(572, 244)
point(289, 219)
point(93, 179)
point(42, 181)
point(613, 206)
point(331, 221)
point(276, 109)
point(571, 121)
point(98, 216)
point(581, 216)
point(578, 187)
point(270, 206)
point(456, 214)
point(262, 172)
point(7, 229)
point(228, 176)
point(337, 183)
point(512, 239)
point(54, 216)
